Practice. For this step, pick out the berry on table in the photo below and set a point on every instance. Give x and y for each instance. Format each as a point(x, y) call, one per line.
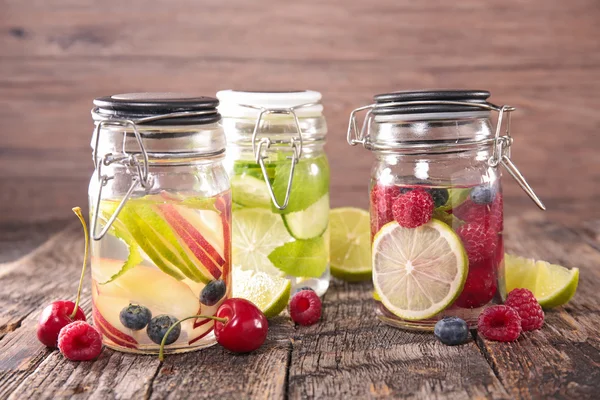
point(480, 286)
point(305, 307)
point(135, 317)
point(451, 331)
point(56, 316)
point(483, 194)
point(158, 327)
point(413, 208)
point(213, 292)
point(79, 341)
point(528, 308)
point(479, 241)
point(499, 323)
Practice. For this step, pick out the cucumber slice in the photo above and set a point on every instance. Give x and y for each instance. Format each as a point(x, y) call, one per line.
point(309, 223)
point(249, 191)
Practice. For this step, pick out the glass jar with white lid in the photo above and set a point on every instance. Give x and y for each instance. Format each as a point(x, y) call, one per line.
point(279, 175)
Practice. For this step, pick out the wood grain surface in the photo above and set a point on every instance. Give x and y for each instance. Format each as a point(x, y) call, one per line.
point(541, 56)
point(348, 354)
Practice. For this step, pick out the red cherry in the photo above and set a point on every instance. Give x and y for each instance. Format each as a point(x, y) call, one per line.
point(55, 317)
point(245, 329)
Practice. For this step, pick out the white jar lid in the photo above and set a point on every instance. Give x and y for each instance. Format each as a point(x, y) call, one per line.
point(233, 102)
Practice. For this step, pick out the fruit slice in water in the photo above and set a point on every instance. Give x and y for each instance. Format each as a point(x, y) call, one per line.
point(418, 272)
point(256, 233)
point(268, 292)
point(249, 191)
point(350, 246)
point(310, 183)
point(552, 285)
point(309, 223)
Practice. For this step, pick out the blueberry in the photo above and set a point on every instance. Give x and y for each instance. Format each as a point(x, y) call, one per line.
point(483, 194)
point(440, 196)
point(213, 292)
point(303, 288)
point(158, 326)
point(135, 317)
point(451, 331)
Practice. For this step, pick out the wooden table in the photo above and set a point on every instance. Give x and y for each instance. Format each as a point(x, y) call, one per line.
point(349, 354)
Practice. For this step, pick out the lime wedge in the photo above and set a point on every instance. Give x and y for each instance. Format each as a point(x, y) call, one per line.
point(256, 232)
point(350, 245)
point(552, 285)
point(268, 292)
point(418, 272)
point(249, 191)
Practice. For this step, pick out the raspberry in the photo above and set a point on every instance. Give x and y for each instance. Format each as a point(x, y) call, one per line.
point(305, 307)
point(382, 198)
point(79, 341)
point(488, 215)
point(500, 323)
point(413, 209)
point(480, 242)
point(480, 286)
point(528, 308)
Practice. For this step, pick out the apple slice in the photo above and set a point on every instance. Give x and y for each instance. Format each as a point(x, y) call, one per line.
point(223, 204)
point(112, 333)
point(151, 288)
point(202, 250)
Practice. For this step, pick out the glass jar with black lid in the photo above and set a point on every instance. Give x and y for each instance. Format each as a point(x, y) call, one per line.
point(160, 212)
point(436, 203)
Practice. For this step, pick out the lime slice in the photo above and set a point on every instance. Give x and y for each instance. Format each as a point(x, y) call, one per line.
point(249, 191)
point(350, 246)
point(256, 232)
point(268, 292)
point(552, 285)
point(311, 222)
point(418, 272)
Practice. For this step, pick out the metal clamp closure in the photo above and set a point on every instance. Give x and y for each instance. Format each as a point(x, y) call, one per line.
point(142, 177)
point(501, 143)
point(265, 143)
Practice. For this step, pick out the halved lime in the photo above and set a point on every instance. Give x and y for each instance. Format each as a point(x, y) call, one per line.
point(350, 247)
point(552, 285)
point(418, 272)
point(268, 292)
point(256, 232)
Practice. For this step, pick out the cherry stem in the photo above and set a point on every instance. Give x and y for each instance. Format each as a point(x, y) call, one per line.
point(161, 353)
point(77, 211)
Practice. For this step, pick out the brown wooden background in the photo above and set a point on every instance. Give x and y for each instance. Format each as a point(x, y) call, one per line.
point(542, 56)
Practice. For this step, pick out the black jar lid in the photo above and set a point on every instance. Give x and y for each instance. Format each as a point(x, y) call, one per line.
point(136, 106)
point(469, 96)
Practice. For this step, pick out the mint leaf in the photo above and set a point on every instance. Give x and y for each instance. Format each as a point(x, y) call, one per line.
point(455, 198)
point(310, 183)
point(306, 258)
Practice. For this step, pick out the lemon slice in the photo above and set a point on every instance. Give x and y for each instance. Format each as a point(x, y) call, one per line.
point(552, 285)
point(268, 292)
point(350, 246)
point(418, 272)
point(256, 232)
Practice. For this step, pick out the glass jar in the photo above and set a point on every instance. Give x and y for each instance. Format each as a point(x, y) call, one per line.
point(160, 213)
point(436, 204)
point(279, 177)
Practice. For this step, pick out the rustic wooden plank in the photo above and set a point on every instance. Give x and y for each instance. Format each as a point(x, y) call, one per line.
point(350, 354)
point(314, 30)
point(18, 239)
point(561, 360)
point(42, 136)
